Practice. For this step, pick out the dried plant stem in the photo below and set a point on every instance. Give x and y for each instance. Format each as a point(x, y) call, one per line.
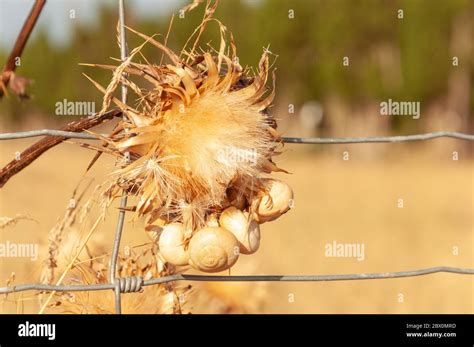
point(34, 151)
point(71, 264)
point(56, 235)
point(20, 43)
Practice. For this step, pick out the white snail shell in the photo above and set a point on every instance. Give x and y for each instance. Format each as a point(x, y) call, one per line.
point(247, 232)
point(171, 244)
point(277, 200)
point(212, 220)
point(213, 249)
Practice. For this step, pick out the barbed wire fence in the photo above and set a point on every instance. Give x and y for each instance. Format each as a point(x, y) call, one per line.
point(134, 284)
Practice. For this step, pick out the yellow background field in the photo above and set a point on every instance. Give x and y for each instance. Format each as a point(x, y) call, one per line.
point(352, 201)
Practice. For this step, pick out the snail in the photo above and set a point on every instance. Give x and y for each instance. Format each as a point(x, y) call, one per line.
point(213, 249)
point(276, 200)
point(171, 244)
point(212, 220)
point(247, 232)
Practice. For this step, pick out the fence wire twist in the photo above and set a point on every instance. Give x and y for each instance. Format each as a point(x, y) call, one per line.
point(137, 283)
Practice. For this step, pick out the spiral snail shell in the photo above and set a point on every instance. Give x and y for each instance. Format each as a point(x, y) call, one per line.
point(171, 244)
point(213, 249)
point(277, 199)
point(247, 232)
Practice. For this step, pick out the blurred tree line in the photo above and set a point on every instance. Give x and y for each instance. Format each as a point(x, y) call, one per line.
point(407, 58)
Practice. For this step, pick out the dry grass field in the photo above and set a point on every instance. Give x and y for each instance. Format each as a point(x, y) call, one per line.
point(352, 201)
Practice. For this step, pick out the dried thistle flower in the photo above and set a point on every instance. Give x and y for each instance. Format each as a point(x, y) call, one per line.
point(198, 139)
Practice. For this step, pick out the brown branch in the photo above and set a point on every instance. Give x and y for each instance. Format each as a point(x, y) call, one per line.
point(34, 151)
point(20, 43)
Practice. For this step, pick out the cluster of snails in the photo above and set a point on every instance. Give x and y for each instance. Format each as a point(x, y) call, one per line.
point(236, 230)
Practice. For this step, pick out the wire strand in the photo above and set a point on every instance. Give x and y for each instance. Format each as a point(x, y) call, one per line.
point(123, 201)
point(295, 140)
point(256, 278)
